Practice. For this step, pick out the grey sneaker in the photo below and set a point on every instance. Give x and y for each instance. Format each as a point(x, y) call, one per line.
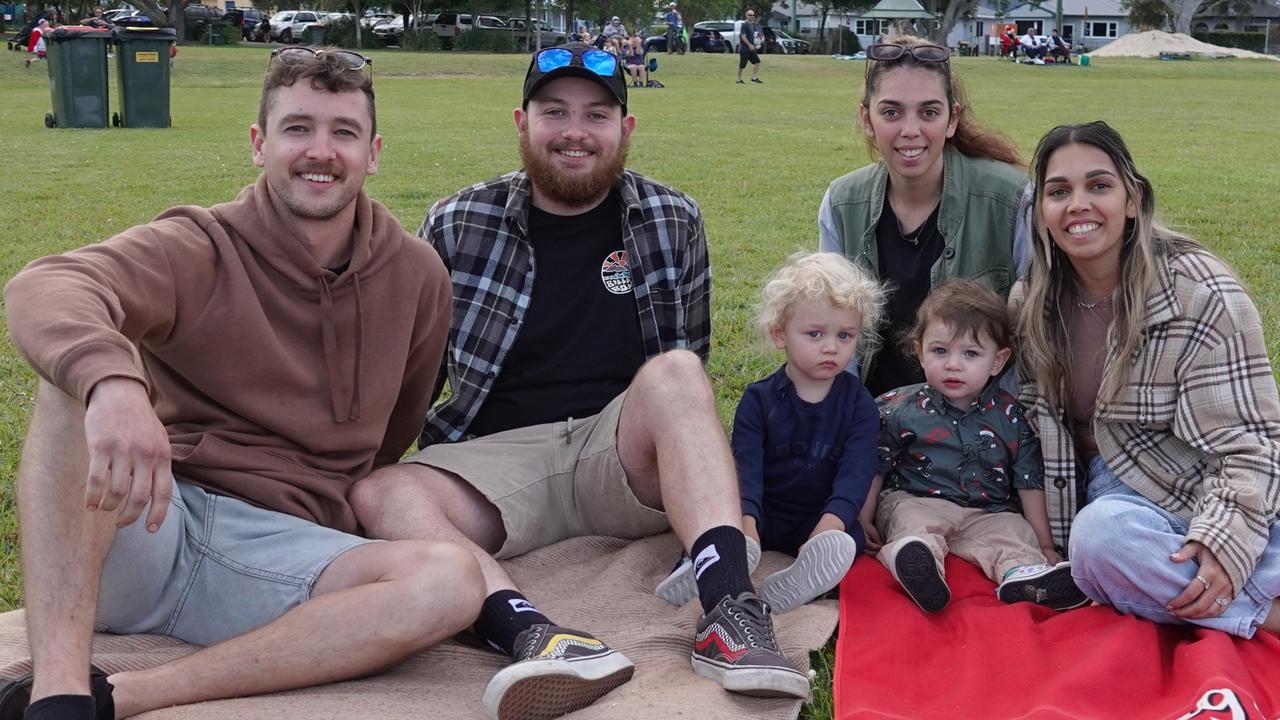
point(916, 569)
point(555, 671)
point(735, 647)
point(680, 586)
point(1049, 585)
point(822, 563)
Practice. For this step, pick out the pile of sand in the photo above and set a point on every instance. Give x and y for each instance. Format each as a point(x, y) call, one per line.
point(1153, 42)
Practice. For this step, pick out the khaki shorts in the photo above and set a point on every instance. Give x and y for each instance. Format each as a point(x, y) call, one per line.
point(551, 482)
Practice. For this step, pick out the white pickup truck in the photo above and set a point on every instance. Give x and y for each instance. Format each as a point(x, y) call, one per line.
point(548, 35)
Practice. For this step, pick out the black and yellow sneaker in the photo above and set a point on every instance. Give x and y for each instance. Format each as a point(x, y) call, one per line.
point(555, 671)
point(735, 646)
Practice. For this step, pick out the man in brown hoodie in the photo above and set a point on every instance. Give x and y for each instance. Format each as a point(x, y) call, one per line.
point(211, 384)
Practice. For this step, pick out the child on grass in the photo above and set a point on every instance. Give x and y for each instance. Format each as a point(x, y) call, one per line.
point(804, 438)
point(957, 458)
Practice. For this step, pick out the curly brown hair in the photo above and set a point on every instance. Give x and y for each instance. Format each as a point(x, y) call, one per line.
point(324, 69)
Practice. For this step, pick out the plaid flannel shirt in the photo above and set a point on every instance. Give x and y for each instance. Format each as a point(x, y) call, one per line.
point(481, 233)
point(1197, 428)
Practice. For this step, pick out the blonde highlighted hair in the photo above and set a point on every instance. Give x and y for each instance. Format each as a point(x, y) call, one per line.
point(820, 277)
point(1046, 352)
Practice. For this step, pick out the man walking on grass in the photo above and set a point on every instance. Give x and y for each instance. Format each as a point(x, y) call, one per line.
point(579, 400)
point(747, 49)
point(211, 385)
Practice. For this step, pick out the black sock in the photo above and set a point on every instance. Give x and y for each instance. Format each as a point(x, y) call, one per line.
point(720, 565)
point(61, 707)
point(98, 706)
point(504, 615)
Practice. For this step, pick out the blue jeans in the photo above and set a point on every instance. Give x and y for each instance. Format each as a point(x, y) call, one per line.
point(1120, 547)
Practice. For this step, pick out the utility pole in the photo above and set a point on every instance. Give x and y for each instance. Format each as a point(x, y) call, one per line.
point(795, 23)
point(1057, 19)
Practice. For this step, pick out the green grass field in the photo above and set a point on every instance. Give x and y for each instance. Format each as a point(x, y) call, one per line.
point(757, 159)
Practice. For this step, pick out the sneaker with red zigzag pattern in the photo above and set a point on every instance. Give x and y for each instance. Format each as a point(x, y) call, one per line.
point(735, 646)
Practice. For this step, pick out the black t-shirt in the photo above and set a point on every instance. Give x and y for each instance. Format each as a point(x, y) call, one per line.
point(906, 261)
point(750, 31)
point(579, 344)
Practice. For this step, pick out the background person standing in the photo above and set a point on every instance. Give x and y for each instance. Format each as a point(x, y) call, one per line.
point(747, 49)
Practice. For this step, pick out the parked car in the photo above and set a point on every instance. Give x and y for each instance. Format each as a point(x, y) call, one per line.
point(198, 17)
point(791, 45)
point(112, 16)
point(729, 30)
point(373, 19)
point(247, 19)
point(700, 40)
point(391, 31)
point(449, 25)
point(549, 35)
point(133, 19)
point(287, 25)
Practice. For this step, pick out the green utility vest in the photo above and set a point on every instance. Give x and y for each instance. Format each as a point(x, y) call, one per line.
point(976, 220)
point(979, 206)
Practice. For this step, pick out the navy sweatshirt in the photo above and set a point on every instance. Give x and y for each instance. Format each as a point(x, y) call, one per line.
point(797, 460)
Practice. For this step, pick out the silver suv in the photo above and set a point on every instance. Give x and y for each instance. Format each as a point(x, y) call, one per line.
point(449, 25)
point(288, 24)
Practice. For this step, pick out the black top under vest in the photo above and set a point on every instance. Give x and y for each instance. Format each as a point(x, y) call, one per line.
point(906, 262)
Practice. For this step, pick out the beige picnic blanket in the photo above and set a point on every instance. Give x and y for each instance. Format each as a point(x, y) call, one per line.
point(603, 585)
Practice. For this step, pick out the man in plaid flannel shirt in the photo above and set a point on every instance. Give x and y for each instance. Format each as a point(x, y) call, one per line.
point(579, 403)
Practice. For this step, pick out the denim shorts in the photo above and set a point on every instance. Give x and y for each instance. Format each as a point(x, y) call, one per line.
point(217, 568)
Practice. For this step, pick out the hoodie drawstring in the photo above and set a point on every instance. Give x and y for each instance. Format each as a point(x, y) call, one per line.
point(354, 412)
point(337, 389)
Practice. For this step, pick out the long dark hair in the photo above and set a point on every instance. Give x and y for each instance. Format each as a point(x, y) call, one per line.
point(1042, 328)
point(969, 138)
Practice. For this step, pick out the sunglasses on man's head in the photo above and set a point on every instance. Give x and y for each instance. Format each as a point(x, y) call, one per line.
point(351, 60)
point(597, 61)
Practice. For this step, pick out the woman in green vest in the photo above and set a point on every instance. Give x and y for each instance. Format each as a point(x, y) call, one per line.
point(940, 201)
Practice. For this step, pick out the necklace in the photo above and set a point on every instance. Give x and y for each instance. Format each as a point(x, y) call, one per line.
point(911, 237)
point(1091, 305)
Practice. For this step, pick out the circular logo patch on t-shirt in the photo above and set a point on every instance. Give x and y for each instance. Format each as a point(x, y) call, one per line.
point(616, 273)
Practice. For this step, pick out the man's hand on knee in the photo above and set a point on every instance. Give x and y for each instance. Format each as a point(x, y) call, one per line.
point(128, 453)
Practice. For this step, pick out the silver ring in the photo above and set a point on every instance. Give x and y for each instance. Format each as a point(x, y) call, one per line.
point(1221, 601)
point(1203, 581)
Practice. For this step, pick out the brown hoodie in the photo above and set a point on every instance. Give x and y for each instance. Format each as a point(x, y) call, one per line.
point(279, 382)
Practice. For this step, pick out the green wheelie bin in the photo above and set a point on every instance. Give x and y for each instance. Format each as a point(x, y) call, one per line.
point(313, 34)
point(142, 65)
point(78, 77)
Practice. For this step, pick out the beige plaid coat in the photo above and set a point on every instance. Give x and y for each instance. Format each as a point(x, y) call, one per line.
point(1197, 428)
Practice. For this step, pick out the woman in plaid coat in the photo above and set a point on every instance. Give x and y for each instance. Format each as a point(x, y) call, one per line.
point(1153, 395)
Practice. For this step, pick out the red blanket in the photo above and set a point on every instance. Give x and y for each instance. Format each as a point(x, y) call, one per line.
point(980, 658)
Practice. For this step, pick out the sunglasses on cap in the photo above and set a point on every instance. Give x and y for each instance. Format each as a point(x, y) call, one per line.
point(597, 61)
point(923, 53)
point(350, 60)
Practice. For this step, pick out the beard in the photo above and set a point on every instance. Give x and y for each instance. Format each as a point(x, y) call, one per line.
point(573, 191)
point(315, 209)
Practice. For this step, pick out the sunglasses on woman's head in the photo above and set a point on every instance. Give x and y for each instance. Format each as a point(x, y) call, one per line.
point(597, 61)
point(923, 53)
point(351, 60)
